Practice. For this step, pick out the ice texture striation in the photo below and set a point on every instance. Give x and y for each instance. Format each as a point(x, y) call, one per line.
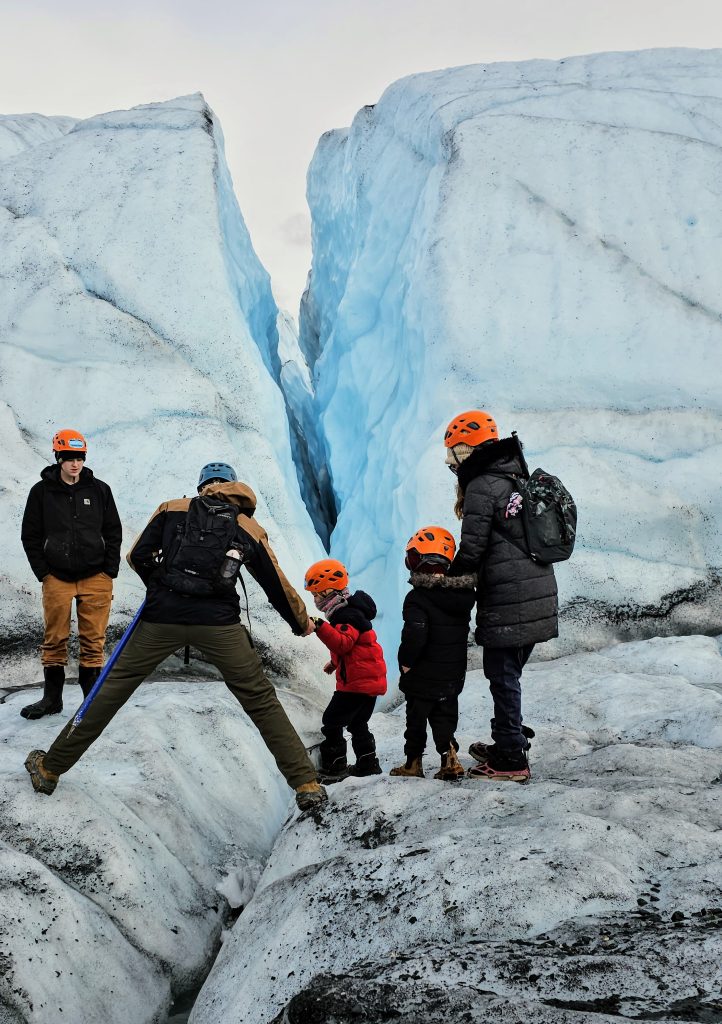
point(539, 239)
point(133, 307)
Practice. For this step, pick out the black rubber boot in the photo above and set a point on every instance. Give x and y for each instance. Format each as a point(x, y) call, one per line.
point(367, 764)
point(334, 771)
point(86, 678)
point(51, 703)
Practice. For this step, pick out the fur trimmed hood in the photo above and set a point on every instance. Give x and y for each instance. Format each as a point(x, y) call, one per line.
point(435, 581)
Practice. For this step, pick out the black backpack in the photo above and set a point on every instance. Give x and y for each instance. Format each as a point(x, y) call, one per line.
point(549, 517)
point(193, 565)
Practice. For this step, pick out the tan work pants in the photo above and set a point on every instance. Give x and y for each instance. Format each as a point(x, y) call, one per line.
point(226, 647)
point(92, 597)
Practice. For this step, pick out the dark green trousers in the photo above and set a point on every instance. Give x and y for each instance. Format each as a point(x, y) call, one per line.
point(226, 647)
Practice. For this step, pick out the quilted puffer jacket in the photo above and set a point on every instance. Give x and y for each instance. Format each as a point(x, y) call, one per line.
point(355, 652)
point(516, 597)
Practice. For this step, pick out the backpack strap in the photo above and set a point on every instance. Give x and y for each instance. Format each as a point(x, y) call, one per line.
point(248, 614)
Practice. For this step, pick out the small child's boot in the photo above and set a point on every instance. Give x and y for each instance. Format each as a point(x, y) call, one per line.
point(367, 764)
point(333, 771)
point(412, 768)
point(451, 768)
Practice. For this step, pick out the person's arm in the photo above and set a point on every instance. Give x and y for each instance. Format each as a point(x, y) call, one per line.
point(112, 535)
point(147, 546)
point(262, 565)
point(414, 633)
point(32, 533)
point(475, 529)
point(338, 639)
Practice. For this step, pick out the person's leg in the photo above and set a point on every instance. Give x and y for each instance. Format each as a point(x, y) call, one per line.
point(417, 715)
point(362, 739)
point(57, 604)
point(148, 645)
point(335, 717)
point(94, 596)
point(443, 719)
point(230, 650)
point(415, 738)
point(503, 667)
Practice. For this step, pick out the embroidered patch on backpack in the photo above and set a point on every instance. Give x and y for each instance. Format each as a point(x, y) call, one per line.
point(86, 501)
point(513, 507)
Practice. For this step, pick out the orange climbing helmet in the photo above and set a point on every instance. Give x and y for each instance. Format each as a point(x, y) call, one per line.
point(430, 543)
point(328, 574)
point(472, 428)
point(69, 441)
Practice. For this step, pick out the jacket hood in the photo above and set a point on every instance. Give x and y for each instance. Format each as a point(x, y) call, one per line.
point(234, 491)
point(435, 581)
point(503, 456)
point(364, 602)
point(51, 474)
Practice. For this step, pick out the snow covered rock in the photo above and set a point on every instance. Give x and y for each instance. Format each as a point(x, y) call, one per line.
point(113, 887)
point(540, 239)
point(133, 307)
point(595, 890)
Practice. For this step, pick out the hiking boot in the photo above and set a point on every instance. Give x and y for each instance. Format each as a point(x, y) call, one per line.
point(334, 771)
point(481, 751)
point(451, 768)
point(43, 781)
point(503, 767)
point(309, 795)
point(412, 768)
point(367, 764)
point(51, 702)
point(87, 678)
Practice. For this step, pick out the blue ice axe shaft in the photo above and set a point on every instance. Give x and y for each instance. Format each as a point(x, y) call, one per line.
point(80, 713)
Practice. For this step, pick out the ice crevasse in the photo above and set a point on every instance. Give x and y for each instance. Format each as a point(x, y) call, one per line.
point(542, 240)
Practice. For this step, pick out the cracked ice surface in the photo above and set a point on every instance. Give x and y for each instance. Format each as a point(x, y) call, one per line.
point(409, 898)
point(109, 906)
point(133, 307)
point(539, 239)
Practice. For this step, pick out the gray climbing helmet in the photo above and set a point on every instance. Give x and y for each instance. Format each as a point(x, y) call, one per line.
point(216, 471)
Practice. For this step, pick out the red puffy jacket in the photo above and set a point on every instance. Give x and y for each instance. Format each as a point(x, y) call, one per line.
point(355, 651)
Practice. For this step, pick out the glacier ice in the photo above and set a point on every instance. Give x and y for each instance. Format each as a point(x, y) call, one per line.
point(133, 307)
point(541, 239)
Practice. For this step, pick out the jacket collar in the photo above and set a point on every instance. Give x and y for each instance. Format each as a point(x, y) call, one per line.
point(503, 456)
point(435, 581)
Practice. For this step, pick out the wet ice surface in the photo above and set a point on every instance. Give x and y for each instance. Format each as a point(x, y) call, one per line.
point(596, 890)
point(109, 901)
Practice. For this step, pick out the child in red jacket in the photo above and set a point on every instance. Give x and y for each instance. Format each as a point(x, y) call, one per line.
point(357, 660)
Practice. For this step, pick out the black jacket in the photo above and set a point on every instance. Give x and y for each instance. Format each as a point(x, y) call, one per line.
point(435, 635)
point(71, 530)
point(517, 598)
point(164, 605)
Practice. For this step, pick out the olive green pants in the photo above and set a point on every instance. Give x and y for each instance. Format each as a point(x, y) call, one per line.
point(226, 647)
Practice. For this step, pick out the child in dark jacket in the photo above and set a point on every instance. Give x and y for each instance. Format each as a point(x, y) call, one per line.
point(432, 655)
point(358, 662)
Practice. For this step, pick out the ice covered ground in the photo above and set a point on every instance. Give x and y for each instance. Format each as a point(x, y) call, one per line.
point(542, 240)
point(593, 893)
point(109, 906)
point(133, 307)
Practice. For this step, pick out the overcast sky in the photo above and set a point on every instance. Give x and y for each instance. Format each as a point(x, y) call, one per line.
point(281, 72)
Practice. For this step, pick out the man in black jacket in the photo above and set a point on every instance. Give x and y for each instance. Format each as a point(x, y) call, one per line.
point(517, 597)
point(71, 533)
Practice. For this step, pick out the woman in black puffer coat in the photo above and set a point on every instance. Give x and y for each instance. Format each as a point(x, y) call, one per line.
point(517, 598)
